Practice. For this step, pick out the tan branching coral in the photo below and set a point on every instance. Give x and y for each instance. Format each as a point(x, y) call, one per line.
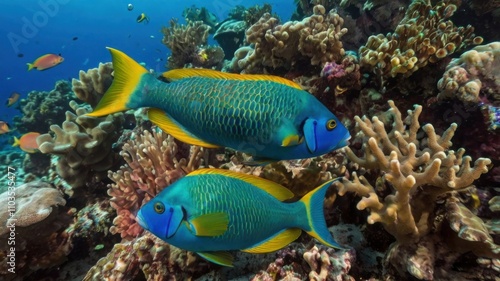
point(152, 164)
point(476, 71)
point(93, 84)
point(188, 45)
point(418, 171)
point(425, 35)
point(315, 40)
point(83, 145)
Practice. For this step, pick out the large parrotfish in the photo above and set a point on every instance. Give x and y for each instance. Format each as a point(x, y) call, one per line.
point(266, 116)
point(212, 211)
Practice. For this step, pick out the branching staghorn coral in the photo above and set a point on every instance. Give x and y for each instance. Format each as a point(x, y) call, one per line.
point(315, 40)
point(152, 165)
point(419, 171)
point(425, 35)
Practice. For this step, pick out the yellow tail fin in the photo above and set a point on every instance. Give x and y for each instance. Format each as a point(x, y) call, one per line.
point(30, 66)
point(127, 77)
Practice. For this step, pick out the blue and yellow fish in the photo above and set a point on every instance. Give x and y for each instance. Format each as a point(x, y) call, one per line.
point(266, 116)
point(212, 211)
point(142, 18)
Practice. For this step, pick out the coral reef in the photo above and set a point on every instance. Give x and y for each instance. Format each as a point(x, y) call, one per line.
point(425, 35)
point(153, 163)
point(315, 40)
point(475, 72)
point(155, 259)
point(230, 36)
point(188, 46)
point(35, 227)
point(84, 145)
point(300, 176)
point(93, 84)
point(42, 109)
point(412, 174)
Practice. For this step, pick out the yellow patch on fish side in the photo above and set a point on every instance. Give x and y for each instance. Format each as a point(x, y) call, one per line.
point(210, 224)
point(292, 140)
point(278, 191)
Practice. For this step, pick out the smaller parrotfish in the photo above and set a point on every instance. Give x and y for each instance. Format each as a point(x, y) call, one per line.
point(14, 97)
point(27, 142)
point(4, 127)
point(45, 62)
point(142, 18)
point(212, 211)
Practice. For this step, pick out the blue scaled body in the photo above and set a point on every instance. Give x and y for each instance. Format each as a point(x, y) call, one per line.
point(211, 211)
point(266, 116)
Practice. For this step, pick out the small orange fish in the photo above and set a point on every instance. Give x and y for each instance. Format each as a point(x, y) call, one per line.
point(45, 61)
point(4, 127)
point(12, 99)
point(27, 142)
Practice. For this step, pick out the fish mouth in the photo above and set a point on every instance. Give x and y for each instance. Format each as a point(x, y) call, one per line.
point(345, 141)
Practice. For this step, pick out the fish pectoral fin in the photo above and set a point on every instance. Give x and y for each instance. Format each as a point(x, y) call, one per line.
point(275, 242)
point(172, 127)
point(213, 224)
point(288, 134)
point(310, 134)
point(292, 140)
point(220, 257)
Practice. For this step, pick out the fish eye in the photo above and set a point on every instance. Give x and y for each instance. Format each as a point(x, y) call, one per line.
point(159, 207)
point(331, 124)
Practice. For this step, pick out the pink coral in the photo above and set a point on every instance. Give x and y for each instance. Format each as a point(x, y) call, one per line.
point(151, 166)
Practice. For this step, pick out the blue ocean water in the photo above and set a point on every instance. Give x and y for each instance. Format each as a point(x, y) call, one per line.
point(80, 31)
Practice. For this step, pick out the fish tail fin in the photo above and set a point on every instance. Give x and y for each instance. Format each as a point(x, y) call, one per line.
point(17, 142)
point(30, 66)
point(313, 202)
point(124, 93)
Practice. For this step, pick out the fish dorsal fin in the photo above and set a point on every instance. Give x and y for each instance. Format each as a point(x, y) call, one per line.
point(220, 257)
point(278, 191)
point(182, 73)
point(275, 242)
point(213, 224)
point(169, 125)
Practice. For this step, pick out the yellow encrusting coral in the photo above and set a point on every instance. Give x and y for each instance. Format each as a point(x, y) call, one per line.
point(425, 35)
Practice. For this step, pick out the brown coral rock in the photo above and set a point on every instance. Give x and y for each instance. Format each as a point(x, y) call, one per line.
point(315, 39)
